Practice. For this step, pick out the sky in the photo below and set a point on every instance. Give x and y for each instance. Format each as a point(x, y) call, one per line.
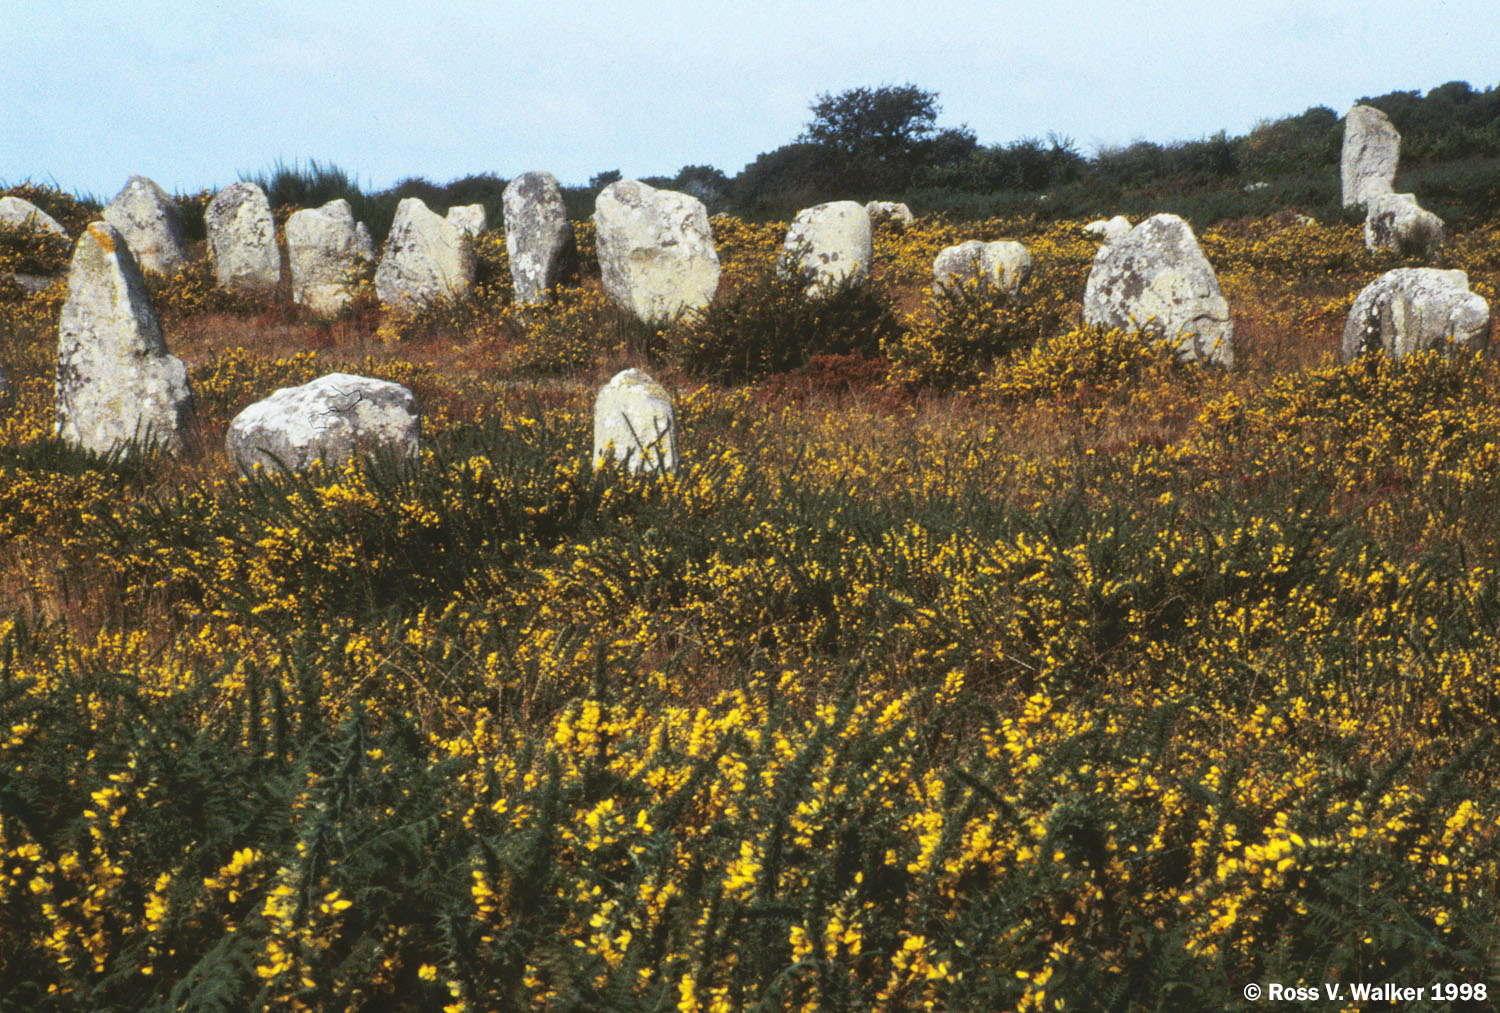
point(198, 95)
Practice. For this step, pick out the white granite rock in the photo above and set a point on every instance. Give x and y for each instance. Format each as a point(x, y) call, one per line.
point(1416, 308)
point(1002, 265)
point(332, 419)
point(633, 422)
point(426, 258)
point(326, 256)
point(242, 240)
point(364, 244)
point(1156, 280)
point(1372, 148)
point(656, 250)
point(892, 213)
point(151, 225)
point(1396, 223)
point(472, 218)
point(1109, 231)
point(830, 244)
point(538, 236)
point(22, 214)
point(115, 383)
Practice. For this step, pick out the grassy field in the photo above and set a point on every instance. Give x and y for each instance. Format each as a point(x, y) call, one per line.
point(973, 660)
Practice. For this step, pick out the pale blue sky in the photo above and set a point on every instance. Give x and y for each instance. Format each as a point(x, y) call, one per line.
point(194, 94)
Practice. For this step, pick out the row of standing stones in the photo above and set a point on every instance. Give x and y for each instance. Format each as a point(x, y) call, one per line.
point(117, 383)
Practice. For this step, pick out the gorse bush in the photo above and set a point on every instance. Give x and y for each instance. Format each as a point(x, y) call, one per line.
point(969, 325)
point(767, 323)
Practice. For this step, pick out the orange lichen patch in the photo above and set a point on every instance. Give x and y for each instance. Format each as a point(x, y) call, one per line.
point(101, 236)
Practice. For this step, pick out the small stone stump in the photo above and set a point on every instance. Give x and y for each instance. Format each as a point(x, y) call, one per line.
point(634, 424)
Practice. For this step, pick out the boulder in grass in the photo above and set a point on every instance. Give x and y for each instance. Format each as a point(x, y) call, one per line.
point(634, 424)
point(22, 214)
point(884, 212)
point(151, 225)
point(1372, 148)
point(472, 218)
point(1109, 231)
point(1396, 223)
point(242, 240)
point(830, 245)
point(1155, 280)
point(656, 250)
point(332, 419)
point(426, 258)
point(4, 391)
point(116, 384)
point(1414, 309)
point(539, 238)
point(1003, 265)
point(326, 255)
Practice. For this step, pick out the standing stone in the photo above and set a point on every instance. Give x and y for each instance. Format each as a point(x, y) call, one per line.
point(426, 259)
point(324, 253)
point(151, 225)
point(115, 381)
point(472, 218)
point(22, 214)
point(829, 245)
point(1109, 231)
point(1371, 150)
point(242, 240)
point(1156, 280)
point(633, 422)
point(656, 251)
point(1394, 222)
point(1001, 265)
point(332, 419)
point(364, 244)
point(1415, 308)
point(538, 236)
point(884, 212)
point(4, 391)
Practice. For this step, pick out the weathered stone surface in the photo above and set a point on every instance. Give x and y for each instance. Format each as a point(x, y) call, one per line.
point(656, 251)
point(426, 258)
point(633, 422)
point(1372, 147)
point(830, 244)
point(892, 213)
point(538, 236)
point(1394, 222)
point(150, 223)
point(326, 256)
point(4, 391)
point(1109, 231)
point(115, 381)
point(1156, 280)
point(1003, 265)
point(364, 244)
point(472, 218)
point(333, 419)
point(242, 240)
point(22, 214)
point(1415, 308)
